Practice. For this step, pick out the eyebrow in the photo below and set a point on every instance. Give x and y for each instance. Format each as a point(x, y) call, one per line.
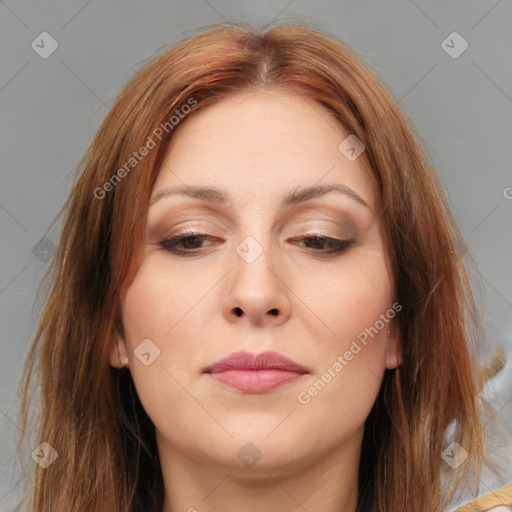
point(293, 197)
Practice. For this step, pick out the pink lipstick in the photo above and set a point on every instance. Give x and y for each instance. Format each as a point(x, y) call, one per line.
point(255, 374)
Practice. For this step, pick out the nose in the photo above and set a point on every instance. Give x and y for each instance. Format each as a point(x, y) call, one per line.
point(257, 292)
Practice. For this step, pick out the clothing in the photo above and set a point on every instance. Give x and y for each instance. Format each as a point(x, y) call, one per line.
point(496, 501)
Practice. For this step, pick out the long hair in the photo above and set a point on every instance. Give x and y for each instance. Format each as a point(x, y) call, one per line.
point(90, 413)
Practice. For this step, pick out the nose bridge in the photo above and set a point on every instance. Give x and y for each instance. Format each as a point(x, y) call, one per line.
point(255, 288)
point(255, 260)
point(255, 250)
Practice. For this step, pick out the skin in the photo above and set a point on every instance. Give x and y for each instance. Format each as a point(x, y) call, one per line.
point(257, 146)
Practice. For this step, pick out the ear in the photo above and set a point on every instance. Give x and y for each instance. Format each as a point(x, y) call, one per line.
point(393, 348)
point(119, 353)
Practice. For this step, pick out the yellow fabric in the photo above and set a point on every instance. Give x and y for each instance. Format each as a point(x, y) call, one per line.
point(496, 501)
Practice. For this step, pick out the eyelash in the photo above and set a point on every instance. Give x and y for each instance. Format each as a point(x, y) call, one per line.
point(171, 244)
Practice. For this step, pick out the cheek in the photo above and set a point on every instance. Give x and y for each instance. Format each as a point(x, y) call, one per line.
point(350, 297)
point(354, 304)
point(350, 366)
point(157, 302)
point(164, 306)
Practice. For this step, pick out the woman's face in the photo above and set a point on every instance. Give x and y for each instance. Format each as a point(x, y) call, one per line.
point(262, 274)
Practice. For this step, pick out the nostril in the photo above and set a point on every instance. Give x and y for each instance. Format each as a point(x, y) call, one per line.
point(273, 312)
point(238, 312)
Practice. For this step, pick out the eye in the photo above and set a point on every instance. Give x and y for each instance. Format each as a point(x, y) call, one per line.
point(325, 244)
point(184, 244)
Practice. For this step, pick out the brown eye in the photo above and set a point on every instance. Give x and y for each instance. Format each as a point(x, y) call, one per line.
point(326, 245)
point(184, 244)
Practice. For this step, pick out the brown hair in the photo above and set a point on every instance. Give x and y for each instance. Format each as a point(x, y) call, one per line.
point(90, 413)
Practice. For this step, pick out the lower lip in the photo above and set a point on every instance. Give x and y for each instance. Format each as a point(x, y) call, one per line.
point(256, 381)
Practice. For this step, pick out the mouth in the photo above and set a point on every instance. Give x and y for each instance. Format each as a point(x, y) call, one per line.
point(255, 374)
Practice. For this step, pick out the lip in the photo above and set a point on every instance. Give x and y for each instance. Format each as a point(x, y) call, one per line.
point(255, 373)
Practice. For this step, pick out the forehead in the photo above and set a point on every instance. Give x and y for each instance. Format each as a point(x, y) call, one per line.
point(260, 144)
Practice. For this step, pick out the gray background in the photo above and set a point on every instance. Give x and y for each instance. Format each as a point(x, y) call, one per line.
point(50, 109)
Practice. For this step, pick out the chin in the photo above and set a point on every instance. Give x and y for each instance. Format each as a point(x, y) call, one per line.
point(260, 447)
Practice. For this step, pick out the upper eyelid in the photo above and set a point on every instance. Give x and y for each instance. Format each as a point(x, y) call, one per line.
point(349, 227)
point(332, 214)
point(309, 233)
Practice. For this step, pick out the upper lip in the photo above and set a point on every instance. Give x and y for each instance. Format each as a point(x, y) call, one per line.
point(247, 361)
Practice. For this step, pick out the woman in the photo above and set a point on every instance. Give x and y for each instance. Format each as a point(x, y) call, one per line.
point(257, 302)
